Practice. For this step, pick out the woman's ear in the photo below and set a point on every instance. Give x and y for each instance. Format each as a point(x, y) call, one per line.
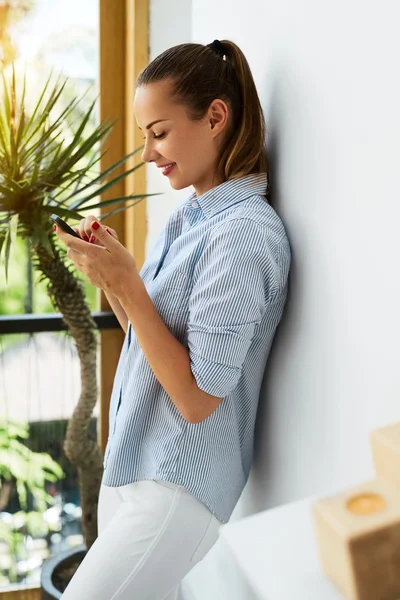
point(218, 114)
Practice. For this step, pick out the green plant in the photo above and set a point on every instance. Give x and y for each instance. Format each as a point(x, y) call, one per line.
point(46, 166)
point(28, 471)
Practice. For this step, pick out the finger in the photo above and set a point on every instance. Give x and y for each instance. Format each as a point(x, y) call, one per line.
point(112, 232)
point(81, 230)
point(77, 230)
point(84, 227)
point(88, 224)
point(95, 242)
point(106, 238)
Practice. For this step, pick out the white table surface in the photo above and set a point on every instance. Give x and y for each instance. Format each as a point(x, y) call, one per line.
point(277, 553)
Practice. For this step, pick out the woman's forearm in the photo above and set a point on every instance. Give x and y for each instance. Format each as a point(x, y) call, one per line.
point(118, 310)
point(168, 358)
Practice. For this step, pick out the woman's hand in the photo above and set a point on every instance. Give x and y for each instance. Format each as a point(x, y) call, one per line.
point(105, 261)
point(84, 230)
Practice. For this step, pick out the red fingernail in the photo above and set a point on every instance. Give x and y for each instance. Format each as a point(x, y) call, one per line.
point(95, 225)
point(91, 239)
point(54, 227)
point(85, 237)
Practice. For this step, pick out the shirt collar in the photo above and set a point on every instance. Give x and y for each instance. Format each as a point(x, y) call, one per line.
point(228, 193)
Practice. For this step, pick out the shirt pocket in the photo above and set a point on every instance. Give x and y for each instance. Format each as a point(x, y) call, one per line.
point(170, 279)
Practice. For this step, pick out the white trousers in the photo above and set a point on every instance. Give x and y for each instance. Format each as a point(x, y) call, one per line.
point(150, 535)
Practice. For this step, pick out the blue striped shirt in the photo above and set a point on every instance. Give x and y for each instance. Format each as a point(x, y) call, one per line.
point(217, 275)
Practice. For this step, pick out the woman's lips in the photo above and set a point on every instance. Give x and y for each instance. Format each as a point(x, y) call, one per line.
point(166, 169)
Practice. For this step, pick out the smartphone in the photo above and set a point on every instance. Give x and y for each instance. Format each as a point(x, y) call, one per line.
point(64, 226)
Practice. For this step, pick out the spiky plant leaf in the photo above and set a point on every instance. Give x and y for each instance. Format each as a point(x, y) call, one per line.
point(46, 164)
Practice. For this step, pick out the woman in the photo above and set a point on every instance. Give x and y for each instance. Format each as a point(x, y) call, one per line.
point(199, 319)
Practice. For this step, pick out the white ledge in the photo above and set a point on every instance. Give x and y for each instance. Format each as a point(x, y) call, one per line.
point(277, 553)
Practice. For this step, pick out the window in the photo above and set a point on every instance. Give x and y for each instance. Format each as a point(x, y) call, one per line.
point(40, 373)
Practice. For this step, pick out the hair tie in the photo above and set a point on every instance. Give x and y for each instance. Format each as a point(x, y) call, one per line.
point(217, 47)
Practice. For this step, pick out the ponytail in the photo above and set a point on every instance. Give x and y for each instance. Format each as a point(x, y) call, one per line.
point(245, 152)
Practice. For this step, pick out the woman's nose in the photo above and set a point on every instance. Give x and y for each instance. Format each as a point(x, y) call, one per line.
point(148, 154)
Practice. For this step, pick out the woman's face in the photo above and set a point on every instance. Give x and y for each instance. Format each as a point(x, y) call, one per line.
point(186, 151)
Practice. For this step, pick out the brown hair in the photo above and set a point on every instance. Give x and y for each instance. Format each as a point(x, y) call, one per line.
point(200, 75)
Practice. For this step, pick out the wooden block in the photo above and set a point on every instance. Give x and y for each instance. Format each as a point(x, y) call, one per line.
point(385, 445)
point(358, 534)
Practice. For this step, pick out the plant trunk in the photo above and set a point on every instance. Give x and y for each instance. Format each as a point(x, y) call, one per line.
point(67, 295)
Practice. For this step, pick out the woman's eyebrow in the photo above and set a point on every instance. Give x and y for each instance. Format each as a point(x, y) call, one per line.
point(153, 123)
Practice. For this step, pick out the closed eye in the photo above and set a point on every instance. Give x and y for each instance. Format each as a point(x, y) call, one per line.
point(157, 137)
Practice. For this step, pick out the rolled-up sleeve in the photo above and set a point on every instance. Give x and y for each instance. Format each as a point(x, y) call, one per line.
point(234, 281)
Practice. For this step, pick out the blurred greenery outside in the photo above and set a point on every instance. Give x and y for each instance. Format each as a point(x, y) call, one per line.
point(39, 36)
point(13, 296)
point(26, 472)
point(76, 47)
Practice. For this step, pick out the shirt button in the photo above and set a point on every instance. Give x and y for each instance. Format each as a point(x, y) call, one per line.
point(195, 205)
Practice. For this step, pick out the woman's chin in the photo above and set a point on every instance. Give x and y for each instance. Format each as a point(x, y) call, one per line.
point(177, 183)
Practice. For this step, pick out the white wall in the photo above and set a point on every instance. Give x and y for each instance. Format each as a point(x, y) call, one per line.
point(328, 79)
point(170, 24)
